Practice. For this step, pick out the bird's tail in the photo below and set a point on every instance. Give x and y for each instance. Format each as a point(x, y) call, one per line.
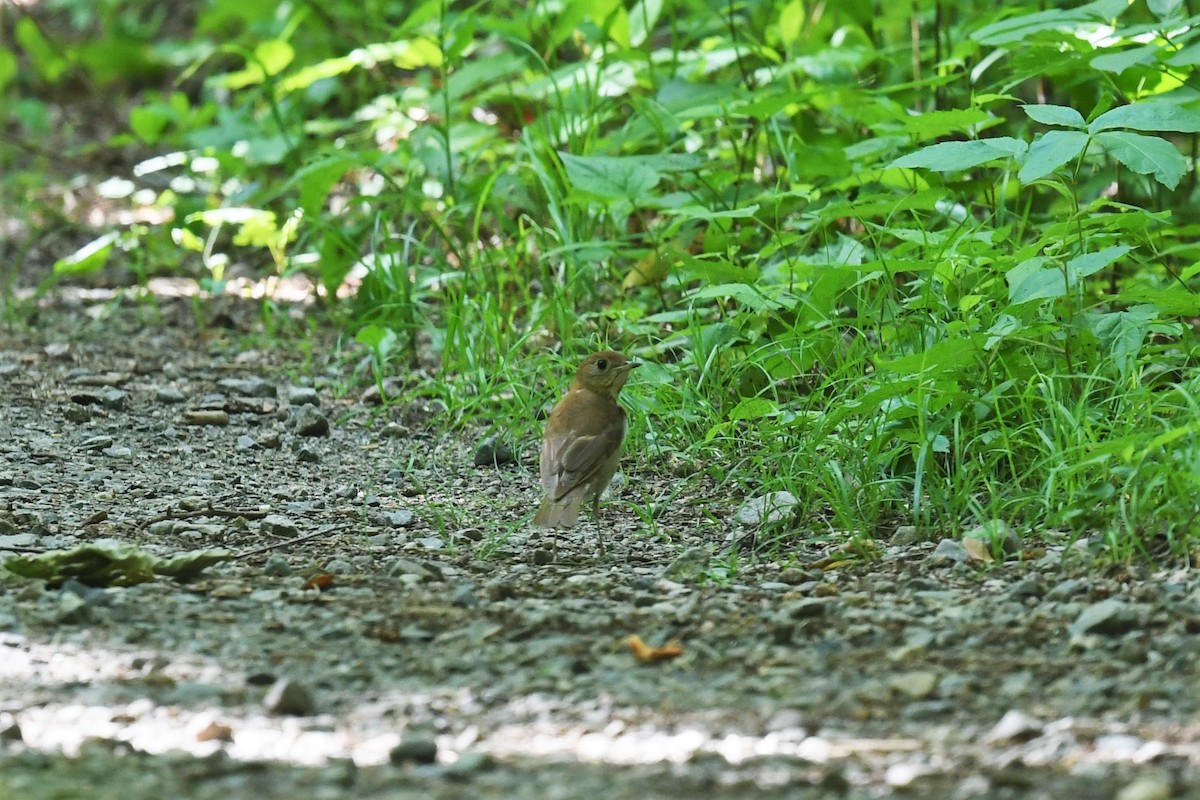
point(563, 514)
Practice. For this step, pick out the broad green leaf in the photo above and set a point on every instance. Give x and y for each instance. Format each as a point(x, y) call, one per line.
point(611, 177)
point(1175, 301)
point(403, 54)
point(1030, 280)
point(1049, 152)
point(1156, 115)
point(1164, 9)
point(1123, 332)
point(939, 123)
point(642, 18)
point(947, 355)
point(1016, 29)
point(791, 22)
point(754, 408)
point(149, 121)
point(1122, 60)
point(1055, 115)
point(8, 68)
point(745, 294)
point(88, 259)
point(1146, 155)
point(957, 156)
point(316, 180)
point(1090, 263)
point(1187, 57)
point(46, 58)
point(718, 270)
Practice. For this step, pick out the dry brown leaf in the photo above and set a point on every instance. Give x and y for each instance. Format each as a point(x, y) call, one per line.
point(650, 655)
point(978, 549)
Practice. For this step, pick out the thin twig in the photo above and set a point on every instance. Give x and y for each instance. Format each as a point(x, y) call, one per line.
point(276, 545)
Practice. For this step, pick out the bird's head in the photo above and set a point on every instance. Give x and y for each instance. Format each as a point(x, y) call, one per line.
point(604, 373)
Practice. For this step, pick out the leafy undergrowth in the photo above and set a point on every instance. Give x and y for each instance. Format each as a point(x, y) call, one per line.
point(929, 264)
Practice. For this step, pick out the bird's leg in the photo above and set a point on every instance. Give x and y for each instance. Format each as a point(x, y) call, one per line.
point(599, 524)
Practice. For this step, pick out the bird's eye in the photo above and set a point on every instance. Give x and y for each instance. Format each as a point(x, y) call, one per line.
point(602, 364)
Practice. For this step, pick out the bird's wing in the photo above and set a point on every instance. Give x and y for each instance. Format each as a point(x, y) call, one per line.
point(582, 457)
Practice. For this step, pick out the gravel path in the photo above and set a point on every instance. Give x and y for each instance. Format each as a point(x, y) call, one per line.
point(420, 640)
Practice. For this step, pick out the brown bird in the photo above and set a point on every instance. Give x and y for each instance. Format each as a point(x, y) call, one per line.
point(582, 445)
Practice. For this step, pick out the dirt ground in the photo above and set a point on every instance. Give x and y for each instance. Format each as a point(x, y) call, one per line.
point(401, 632)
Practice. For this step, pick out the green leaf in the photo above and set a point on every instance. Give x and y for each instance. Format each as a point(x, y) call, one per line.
point(791, 22)
point(1016, 29)
point(1049, 152)
point(1156, 115)
point(945, 356)
point(612, 177)
point(1055, 115)
point(1123, 332)
point(747, 295)
point(1030, 281)
point(44, 55)
point(1146, 155)
point(754, 408)
point(1118, 62)
point(111, 564)
point(1164, 9)
point(939, 123)
point(8, 68)
point(318, 178)
point(1091, 263)
point(88, 259)
point(642, 18)
point(957, 156)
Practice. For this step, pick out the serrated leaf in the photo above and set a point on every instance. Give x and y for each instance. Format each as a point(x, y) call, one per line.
point(957, 156)
point(1049, 152)
point(1146, 155)
point(1156, 115)
point(1055, 115)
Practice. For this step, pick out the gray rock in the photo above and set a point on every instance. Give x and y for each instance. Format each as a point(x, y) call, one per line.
point(308, 421)
point(1064, 590)
point(688, 565)
point(493, 452)
point(209, 416)
point(114, 399)
point(169, 394)
point(906, 535)
point(277, 566)
point(1014, 726)
point(247, 387)
point(290, 697)
point(119, 452)
point(1108, 617)
point(304, 396)
point(399, 518)
point(948, 551)
point(806, 608)
point(308, 455)
point(416, 749)
point(767, 509)
point(407, 566)
point(1147, 787)
point(245, 442)
point(278, 525)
